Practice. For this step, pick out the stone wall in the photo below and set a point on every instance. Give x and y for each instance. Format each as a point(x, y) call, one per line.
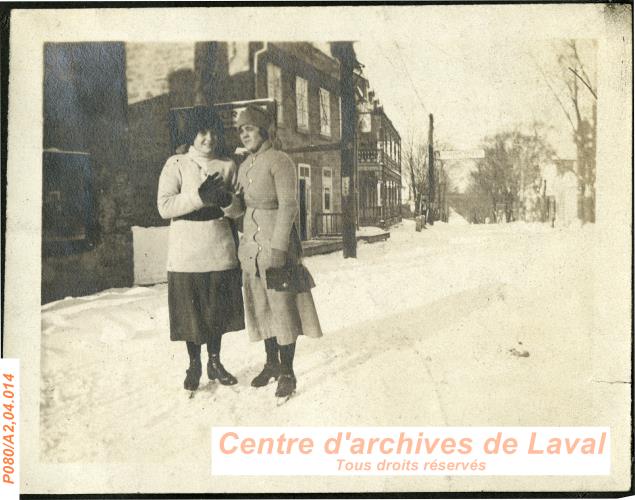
point(85, 110)
point(112, 100)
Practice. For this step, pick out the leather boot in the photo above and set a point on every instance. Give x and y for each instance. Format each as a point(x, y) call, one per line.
point(216, 371)
point(272, 366)
point(286, 384)
point(286, 381)
point(193, 375)
point(270, 371)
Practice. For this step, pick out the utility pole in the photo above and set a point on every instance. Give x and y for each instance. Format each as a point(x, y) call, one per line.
point(344, 52)
point(431, 181)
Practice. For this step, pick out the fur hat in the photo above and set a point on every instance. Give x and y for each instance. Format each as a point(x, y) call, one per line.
point(253, 115)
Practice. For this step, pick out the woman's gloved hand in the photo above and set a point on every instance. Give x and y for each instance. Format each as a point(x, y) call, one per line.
point(213, 192)
point(278, 258)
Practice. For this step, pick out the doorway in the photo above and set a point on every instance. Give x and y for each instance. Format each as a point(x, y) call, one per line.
point(304, 200)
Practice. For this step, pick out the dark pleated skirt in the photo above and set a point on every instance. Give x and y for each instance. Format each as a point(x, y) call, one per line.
point(203, 305)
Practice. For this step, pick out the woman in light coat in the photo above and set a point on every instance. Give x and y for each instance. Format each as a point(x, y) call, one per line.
point(275, 312)
point(204, 282)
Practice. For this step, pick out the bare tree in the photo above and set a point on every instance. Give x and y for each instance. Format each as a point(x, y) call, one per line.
point(416, 161)
point(574, 88)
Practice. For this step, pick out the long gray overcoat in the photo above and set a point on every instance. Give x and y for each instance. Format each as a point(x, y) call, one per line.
point(269, 182)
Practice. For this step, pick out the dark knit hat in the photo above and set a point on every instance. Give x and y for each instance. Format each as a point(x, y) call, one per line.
point(253, 115)
point(186, 123)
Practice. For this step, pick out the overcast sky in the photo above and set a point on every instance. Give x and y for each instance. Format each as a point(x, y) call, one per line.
point(474, 88)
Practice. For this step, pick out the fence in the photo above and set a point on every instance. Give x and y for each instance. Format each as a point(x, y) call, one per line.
point(368, 155)
point(370, 215)
point(328, 224)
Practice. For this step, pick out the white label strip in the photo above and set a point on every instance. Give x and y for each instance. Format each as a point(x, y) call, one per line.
point(402, 451)
point(10, 426)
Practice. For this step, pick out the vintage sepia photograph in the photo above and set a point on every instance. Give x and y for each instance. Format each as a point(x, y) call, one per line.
point(382, 216)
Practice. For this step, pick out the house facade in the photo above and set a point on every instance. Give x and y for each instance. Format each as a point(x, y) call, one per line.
point(303, 80)
point(378, 161)
point(106, 131)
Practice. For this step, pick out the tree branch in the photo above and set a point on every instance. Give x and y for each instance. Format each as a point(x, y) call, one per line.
point(555, 95)
point(583, 81)
point(576, 56)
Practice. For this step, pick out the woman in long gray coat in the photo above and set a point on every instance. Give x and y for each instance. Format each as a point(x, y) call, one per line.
point(204, 281)
point(278, 301)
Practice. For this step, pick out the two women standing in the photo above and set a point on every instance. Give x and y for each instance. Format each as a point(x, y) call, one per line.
point(197, 191)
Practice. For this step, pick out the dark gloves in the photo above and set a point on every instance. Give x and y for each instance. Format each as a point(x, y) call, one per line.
point(212, 191)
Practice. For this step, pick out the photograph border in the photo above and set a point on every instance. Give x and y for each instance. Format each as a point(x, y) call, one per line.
point(5, 24)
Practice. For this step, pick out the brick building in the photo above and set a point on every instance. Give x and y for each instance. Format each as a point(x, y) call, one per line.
point(304, 82)
point(106, 138)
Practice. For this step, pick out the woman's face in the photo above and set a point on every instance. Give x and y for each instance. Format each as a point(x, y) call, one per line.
point(251, 138)
point(205, 142)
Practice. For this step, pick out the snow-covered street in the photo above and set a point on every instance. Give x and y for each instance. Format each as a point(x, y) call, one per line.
point(457, 325)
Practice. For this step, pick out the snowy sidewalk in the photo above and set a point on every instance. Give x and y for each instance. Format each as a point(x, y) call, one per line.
point(456, 325)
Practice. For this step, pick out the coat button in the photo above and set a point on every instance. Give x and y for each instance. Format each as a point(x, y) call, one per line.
point(259, 248)
point(250, 181)
point(258, 229)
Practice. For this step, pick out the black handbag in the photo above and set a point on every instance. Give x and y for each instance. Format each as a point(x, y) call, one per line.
point(295, 279)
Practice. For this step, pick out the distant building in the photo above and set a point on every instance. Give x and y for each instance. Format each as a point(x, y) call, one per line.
point(378, 161)
point(561, 192)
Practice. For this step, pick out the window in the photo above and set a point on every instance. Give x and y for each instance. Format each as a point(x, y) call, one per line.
point(304, 200)
point(325, 112)
point(274, 88)
point(327, 199)
point(302, 103)
point(327, 189)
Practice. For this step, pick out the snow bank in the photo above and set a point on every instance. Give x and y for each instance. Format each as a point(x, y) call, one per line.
point(418, 330)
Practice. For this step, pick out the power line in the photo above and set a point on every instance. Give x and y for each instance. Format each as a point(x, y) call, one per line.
point(404, 67)
point(414, 87)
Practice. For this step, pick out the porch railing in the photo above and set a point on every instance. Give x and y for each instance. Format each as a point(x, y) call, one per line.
point(370, 215)
point(368, 155)
point(392, 211)
point(377, 156)
point(328, 224)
